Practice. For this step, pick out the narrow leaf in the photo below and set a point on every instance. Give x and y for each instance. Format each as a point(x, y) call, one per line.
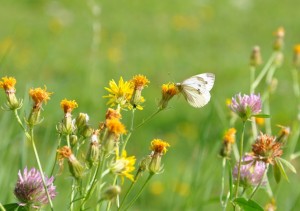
point(282, 171)
point(261, 116)
point(288, 164)
point(277, 174)
point(248, 205)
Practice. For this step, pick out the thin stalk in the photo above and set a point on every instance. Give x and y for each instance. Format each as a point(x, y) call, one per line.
point(223, 182)
point(130, 188)
point(2, 208)
point(259, 184)
point(263, 72)
point(240, 160)
point(21, 124)
point(40, 168)
point(139, 193)
point(149, 118)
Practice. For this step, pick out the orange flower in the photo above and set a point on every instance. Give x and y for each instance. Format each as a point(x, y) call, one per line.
point(39, 96)
point(229, 136)
point(159, 146)
point(140, 81)
point(68, 105)
point(8, 83)
point(168, 91)
point(115, 126)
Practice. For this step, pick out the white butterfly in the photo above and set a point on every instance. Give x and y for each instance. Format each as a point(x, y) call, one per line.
point(196, 89)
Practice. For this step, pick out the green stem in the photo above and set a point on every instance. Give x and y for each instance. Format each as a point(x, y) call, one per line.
point(40, 168)
point(21, 124)
point(139, 193)
point(149, 118)
point(2, 208)
point(263, 72)
point(260, 182)
point(240, 160)
point(130, 188)
point(223, 182)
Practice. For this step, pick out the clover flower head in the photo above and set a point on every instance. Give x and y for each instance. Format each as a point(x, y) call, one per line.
point(251, 173)
point(245, 106)
point(30, 190)
point(266, 148)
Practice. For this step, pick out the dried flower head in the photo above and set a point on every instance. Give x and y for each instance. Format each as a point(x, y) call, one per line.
point(30, 190)
point(168, 91)
point(68, 105)
point(245, 106)
point(111, 114)
point(255, 58)
point(251, 173)
point(123, 166)
point(119, 94)
point(266, 148)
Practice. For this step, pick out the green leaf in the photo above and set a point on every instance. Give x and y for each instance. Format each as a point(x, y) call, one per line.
point(277, 174)
point(248, 205)
point(262, 115)
point(288, 164)
point(280, 166)
point(11, 207)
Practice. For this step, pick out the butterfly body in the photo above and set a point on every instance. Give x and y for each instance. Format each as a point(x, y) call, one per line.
point(196, 89)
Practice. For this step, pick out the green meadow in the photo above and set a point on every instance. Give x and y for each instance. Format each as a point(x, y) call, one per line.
point(75, 48)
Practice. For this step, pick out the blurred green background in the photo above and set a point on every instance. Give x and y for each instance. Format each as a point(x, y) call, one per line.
point(76, 47)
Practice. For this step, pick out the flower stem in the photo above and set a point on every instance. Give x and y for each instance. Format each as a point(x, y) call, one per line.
point(149, 118)
point(40, 168)
point(260, 182)
point(240, 160)
point(139, 193)
point(223, 183)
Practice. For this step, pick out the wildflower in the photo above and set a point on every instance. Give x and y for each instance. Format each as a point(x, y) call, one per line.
point(75, 167)
point(255, 58)
point(111, 113)
point(283, 134)
point(82, 126)
point(296, 59)
point(30, 190)
point(168, 91)
point(279, 40)
point(67, 126)
point(266, 148)
point(245, 106)
point(123, 166)
point(139, 82)
point(251, 173)
point(93, 151)
point(39, 96)
point(114, 129)
point(8, 84)
point(228, 140)
point(260, 121)
point(111, 192)
point(159, 148)
point(119, 94)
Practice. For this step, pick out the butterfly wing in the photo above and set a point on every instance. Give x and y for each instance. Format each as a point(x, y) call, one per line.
point(196, 89)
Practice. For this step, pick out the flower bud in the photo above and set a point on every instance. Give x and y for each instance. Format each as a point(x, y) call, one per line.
point(8, 84)
point(255, 58)
point(111, 192)
point(94, 150)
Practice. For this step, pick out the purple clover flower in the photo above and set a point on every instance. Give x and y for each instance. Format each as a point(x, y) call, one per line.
point(245, 106)
point(30, 190)
point(251, 173)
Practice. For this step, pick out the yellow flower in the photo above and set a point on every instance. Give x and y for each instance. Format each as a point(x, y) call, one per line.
point(123, 166)
point(68, 105)
point(8, 83)
point(159, 146)
point(115, 126)
point(119, 94)
point(168, 91)
point(140, 81)
point(229, 136)
point(39, 96)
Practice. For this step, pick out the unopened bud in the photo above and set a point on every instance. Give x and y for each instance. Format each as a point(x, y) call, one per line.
point(111, 192)
point(255, 58)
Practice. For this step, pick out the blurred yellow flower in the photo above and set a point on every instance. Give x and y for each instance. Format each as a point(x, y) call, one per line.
point(115, 126)
point(119, 94)
point(114, 54)
point(68, 105)
point(229, 136)
point(8, 83)
point(182, 22)
point(159, 146)
point(157, 187)
point(123, 166)
point(168, 91)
